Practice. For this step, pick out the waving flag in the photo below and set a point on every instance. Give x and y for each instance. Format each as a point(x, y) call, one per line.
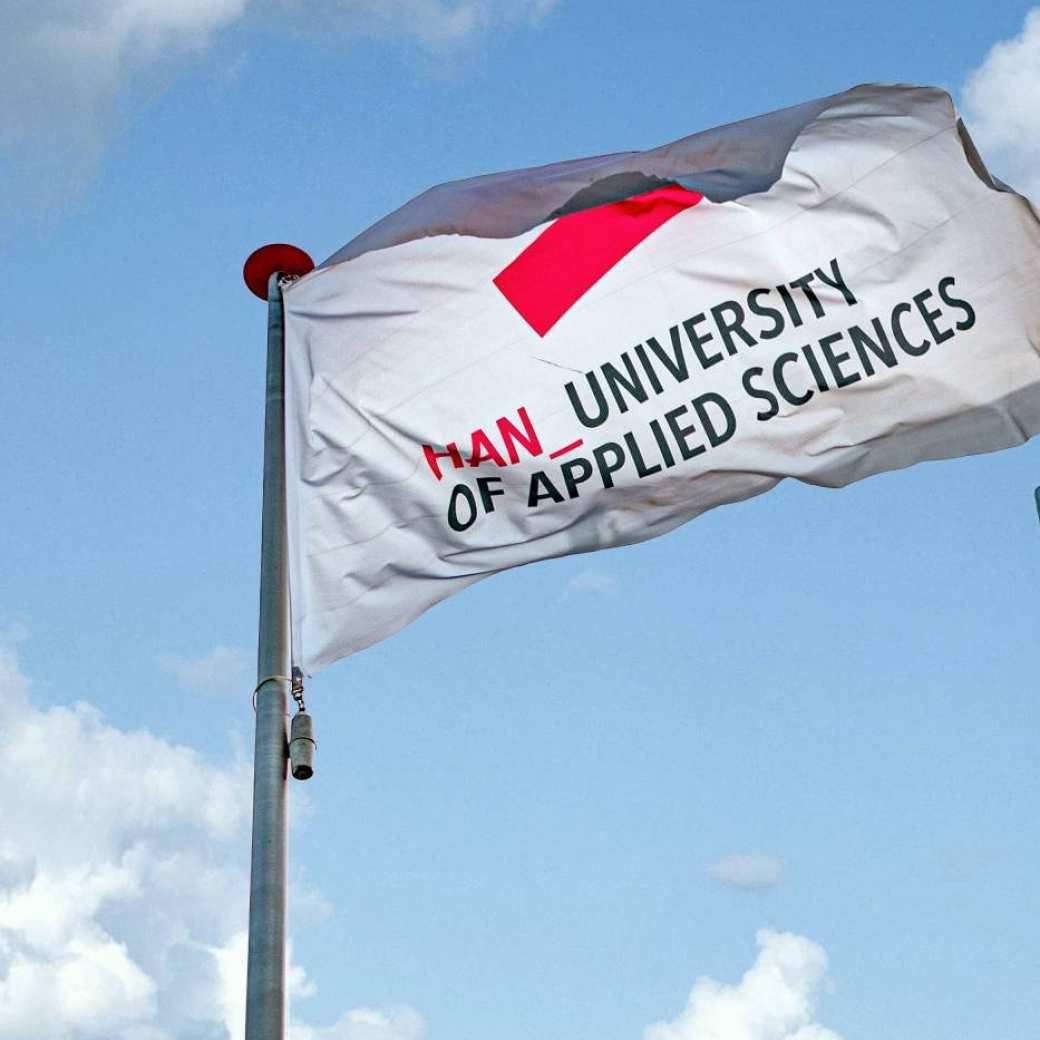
point(562, 359)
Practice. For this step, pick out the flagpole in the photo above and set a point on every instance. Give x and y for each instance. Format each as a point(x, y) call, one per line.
point(265, 977)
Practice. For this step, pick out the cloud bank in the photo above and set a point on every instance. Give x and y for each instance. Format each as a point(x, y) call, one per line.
point(123, 885)
point(66, 67)
point(367, 1024)
point(775, 1000)
point(1001, 105)
point(71, 70)
point(434, 24)
point(123, 892)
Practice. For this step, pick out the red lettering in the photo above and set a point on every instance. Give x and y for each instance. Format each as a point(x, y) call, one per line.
point(482, 450)
point(511, 436)
point(451, 451)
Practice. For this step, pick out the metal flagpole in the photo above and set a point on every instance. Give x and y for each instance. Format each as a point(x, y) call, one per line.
point(265, 985)
point(265, 981)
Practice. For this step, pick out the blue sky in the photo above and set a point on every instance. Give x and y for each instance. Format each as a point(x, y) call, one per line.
point(555, 801)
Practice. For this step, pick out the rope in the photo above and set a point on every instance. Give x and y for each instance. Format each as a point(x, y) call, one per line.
point(267, 679)
point(295, 682)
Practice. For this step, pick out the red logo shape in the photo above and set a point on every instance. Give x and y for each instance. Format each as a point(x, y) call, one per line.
point(574, 252)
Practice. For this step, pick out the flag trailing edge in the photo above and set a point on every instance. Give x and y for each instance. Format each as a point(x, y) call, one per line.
point(577, 356)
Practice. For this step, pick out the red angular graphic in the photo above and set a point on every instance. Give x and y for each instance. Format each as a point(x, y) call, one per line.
point(571, 255)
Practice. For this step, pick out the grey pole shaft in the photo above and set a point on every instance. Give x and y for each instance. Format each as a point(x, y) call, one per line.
point(265, 985)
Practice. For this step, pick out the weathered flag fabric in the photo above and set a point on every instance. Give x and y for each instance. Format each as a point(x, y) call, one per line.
point(571, 357)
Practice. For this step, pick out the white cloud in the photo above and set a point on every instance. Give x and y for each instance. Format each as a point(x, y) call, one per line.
point(368, 1024)
point(123, 896)
point(775, 1000)
point(65, 66)
point(435, 24)
point(123, 858)
point(123, 883)
point(1001, 104)
point(594, 580)
point(70, 70)
point(747, 870)
point(224, 667)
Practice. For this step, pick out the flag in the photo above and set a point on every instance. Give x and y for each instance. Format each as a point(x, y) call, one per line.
point(566, 358)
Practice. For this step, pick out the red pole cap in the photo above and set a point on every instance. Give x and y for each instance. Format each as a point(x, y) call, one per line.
point(277, 256)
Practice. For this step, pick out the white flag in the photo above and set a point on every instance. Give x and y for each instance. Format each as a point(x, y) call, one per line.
point(584, 355)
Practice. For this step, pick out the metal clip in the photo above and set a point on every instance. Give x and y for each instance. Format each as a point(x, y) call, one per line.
point(301, 733)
